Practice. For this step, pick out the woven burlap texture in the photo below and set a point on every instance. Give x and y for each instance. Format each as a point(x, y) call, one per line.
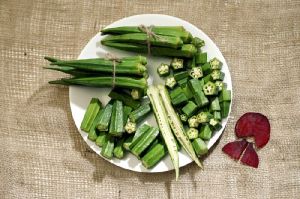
point(42, 154)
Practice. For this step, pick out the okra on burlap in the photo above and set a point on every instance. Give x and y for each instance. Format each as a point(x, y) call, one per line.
point(43, 156)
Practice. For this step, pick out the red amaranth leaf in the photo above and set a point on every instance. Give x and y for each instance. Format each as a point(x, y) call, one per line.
point(254, 124)
point(235, 149)
point(250, 156)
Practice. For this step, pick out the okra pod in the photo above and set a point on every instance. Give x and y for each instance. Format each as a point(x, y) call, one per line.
point(195, 86)
point(187, 50)
point(154, 155)
point(142, 38)
point(201, 58)
point(176, 125)
point(176, 31)
point(104, 119)
point(116, 121)
point(126, 111)
point(181, 75)
point(119, 151)
point(145, 141)
point(108, 148)
point(123, 82)
point(200, 147)
point(138, 135)
point(205, 132)
point(119, 94)
point(189, 109)
point(192, 133)
point(162, 120)
point(90, 114)
point(102, 139)
point(140, 113)
point(177, 96)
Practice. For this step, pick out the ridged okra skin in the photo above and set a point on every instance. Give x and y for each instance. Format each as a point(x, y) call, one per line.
point(145, 141)
point(175, 31)
point(154, 155)
point(116, 127)
point(90, 114)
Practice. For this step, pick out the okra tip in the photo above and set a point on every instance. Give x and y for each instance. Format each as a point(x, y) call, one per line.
point(50, 59)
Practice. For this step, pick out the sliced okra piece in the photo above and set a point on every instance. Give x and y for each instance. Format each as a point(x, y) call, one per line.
point(170, 82)
point(177, 63)
point(206, 68)
point(204, 117)
point(205, 132)
point(210, 88)
point(163, 70)
point(193, 122)
point(200, 147)
point(201, 58)
point(189, 109)
point(215, 64)
point(196, 72)
point(192, 133)
point(217, 75)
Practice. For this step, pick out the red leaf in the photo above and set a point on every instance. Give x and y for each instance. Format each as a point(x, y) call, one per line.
point(250, 157)
point(235, 149)
point(254, 124)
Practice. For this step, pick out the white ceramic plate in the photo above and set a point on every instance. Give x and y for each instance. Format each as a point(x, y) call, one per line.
point(80, 96)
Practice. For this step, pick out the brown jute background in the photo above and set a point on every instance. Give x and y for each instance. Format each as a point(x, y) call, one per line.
point(43, 156)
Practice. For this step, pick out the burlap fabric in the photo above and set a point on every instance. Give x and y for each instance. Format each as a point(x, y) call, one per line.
point(43, 156)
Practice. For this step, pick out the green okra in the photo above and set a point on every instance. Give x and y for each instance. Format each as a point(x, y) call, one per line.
point(177, 96)
point(145, 141)
point(119, 94)
point(217, 115)
point(73, 71)
point(205, 132)
point(192, 133)
point(206, 68)
point(215, 124)
point(102, 139)
point(154, 155)
point(116, 121)
point(214, 105)
point(163, 70)
point(119, 150)
point(187, 50)
point(142, 38)
point(90, 114)
point(200, 147)
point(140, 113)
point(123, 82)
point(204, 117)
point(224, 105)
point(108, 148)
point(126, 111)
point(201, 58)
point(180, 75)
point(127, 142)
point(210, 88)
point(195, 86)
point(104, 119)
point(225, 95)
point(189, 109)
point(138, 135)
point(176, 31)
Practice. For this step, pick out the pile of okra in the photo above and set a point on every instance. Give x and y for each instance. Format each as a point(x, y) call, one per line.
point(114, 128)
point(198, 94)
